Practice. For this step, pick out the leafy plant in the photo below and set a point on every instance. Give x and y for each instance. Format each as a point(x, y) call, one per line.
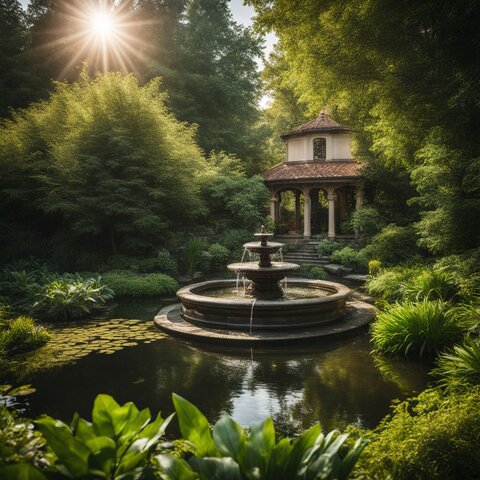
point(326, 247)
point(317, 273)
point(20, 335)
point(388, 284)
point(135, 284)
point(374, 267)
point(421, 329)
point(460, 368)
point(219, 255)
point(352, 258)
point(116, 444)
point(367, 221)
point(192, 254)
point(234, 238)
point(71, 296)
point(467, 314)
point(228, 451)
point(166, 263)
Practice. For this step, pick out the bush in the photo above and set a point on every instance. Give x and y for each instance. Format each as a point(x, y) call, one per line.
point(166, 263)
point(20, 335)
point(428, 284)
point(393, 245)
point(233, 239)
point(219, 255)
point(388, 284)
point(460, 368)
point(431, 437)
point(367, 221)
point(134, 284)
point(228, 451)
point(420, 329)
point(349, 257)
point(71, 296)
point(468, 315)
point(374, 267)
point(327, 247)
point(19, 443)
point(192, 254)
point(317, 273)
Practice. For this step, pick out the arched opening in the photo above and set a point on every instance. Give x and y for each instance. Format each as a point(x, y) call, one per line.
point(289, 218)
point(319, 222)
point(344, 208)
point(319, 149)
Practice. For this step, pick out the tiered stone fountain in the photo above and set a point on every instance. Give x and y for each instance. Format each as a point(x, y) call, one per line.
point(263, 311)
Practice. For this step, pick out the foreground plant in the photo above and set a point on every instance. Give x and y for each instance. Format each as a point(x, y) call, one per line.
point(421, 329)
point(230, 452)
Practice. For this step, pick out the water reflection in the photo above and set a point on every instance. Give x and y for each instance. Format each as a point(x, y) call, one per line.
point(335, 383)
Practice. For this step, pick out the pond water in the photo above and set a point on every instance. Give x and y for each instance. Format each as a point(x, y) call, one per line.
point(334, 382)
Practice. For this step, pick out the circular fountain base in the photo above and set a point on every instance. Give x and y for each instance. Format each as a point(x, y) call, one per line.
point(358, 314)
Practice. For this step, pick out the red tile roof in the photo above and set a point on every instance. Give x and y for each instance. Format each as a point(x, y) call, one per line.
point(323, 123)
point(312, 171)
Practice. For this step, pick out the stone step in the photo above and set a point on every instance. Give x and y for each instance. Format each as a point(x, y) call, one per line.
point(336, 269)
point(356, 277)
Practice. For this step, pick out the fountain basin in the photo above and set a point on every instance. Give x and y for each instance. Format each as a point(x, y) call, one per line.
point(326, 305)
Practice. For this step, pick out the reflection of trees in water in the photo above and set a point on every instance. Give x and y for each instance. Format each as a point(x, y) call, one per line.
point(332, 382)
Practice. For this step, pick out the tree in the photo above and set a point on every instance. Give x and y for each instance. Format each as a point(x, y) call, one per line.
point(211, 76)
point(404, 74)
point(105, 158)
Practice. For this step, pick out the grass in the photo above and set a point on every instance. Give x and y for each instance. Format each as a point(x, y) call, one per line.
point(417, 328)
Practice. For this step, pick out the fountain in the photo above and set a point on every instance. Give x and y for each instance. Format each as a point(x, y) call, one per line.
point(264, 311)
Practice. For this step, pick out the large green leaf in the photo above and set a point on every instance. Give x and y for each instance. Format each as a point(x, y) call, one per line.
point(300, 447)
point(194, 427)
point(229, 437)
point(71, 452)
point(21, 471)
point(103, 450)
point(135, 423)
point(256, 451)
point(103, 407)
point(278, 464)
point(174, 468)
point(212, 468)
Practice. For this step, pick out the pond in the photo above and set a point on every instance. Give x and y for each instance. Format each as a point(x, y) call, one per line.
point(335, 382)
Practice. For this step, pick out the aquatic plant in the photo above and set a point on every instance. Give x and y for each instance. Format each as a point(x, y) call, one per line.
point(20, 335)
point(421, 329)
point(228, 451)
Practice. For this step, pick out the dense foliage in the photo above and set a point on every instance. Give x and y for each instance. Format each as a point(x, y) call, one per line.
point(135, 284)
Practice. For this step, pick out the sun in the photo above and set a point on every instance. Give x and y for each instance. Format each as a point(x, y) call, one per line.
point(103, 24)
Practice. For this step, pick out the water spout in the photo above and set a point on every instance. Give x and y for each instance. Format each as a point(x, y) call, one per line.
point(243, 255)
point(251, 316)
point(280, 253)
point(285, 285)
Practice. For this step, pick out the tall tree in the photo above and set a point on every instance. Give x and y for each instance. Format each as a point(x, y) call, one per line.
point(212, 79)
point(407, 74)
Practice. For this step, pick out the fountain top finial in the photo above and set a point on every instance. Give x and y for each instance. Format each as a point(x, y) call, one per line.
point(262, 229)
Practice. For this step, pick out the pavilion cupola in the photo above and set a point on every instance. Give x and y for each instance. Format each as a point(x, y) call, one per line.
point(320, 139)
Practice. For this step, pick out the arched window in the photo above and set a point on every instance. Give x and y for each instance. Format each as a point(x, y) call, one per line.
point(319, 149)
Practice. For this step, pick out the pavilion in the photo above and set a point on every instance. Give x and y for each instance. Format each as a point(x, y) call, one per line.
point(323, 179)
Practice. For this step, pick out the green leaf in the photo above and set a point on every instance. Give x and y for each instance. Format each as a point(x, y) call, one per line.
point(71, 452)
point(21, 471)
point(212, 468)
point(300, 447)
point(194, 427)
point(229, 437)
point(278, 464)
point(103, 449)
point(174, 468)
point(102, 420)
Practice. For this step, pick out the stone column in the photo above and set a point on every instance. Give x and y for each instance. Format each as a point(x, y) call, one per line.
point(307, 213)
point(273, 208)
point(331, 214)
point(359, 197)
point(297, 211)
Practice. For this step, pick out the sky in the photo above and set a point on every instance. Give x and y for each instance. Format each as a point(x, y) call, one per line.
point(241, 14)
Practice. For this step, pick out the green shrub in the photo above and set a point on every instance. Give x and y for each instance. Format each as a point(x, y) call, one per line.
point(467, 314)
point(349, 257)
point(374, 267)
point(233, 239)
point(219, 255)
point(393, 245)
point(19, 443)
point(228, 451)
point(367, 221)
point(460, 368)
point(166, 263)
point(429, 284)
point(421, 329)
point(20, 335)
point(388, 284)
point(326, 247)
point(71, 296)
point(431, 437)
point(317, 273)
point(135, 284)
